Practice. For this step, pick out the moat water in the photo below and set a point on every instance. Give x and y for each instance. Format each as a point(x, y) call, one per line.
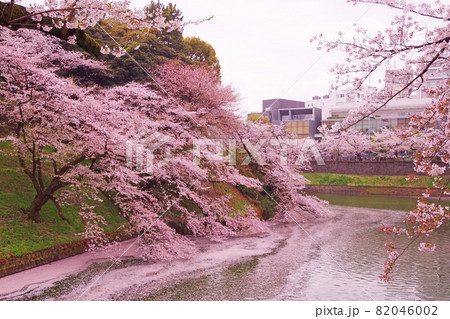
point(339, 259)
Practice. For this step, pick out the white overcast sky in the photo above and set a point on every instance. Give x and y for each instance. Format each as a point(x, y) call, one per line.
point(263, 45)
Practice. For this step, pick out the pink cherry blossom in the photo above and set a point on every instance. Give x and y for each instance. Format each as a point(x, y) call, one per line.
point(417, 40)
point(77, 137)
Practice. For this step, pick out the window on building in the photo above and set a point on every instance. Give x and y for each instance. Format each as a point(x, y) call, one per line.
point(298, 127)
point(402, 123)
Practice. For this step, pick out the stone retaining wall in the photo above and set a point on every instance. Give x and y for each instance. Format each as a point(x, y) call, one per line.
point(14, 264)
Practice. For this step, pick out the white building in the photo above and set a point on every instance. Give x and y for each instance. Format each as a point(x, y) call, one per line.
point(337, 104)
point(345, 98)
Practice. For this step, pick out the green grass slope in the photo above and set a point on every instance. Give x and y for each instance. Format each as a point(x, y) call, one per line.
point(18, 235)
point(359, 180)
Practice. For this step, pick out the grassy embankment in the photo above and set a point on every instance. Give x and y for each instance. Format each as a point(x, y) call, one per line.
point(19, 235)
point(360, 180)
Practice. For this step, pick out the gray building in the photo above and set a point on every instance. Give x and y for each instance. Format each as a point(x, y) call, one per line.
point(298, 119)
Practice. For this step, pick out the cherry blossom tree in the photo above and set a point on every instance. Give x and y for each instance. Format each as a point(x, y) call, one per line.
point(331, 145)
point(349, 143)
point(418, 40)
point(71, 142)
point(391, 143)
point(280, 158)
point(32, 95)
point(202, 95)
point(385, 144)
point(69, 19)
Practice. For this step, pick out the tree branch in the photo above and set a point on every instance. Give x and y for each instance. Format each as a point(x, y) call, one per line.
point(58, 207)
point(392, 97)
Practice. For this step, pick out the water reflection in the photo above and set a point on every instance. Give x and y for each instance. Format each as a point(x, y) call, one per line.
point(345, 268)
point(343, 263)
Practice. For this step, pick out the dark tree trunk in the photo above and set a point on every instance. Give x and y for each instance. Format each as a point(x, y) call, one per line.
point(39, 201)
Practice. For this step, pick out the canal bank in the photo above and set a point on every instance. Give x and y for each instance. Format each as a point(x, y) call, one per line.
point(350, 184)
point(369, 190)
point(345, 254)
point(352, 196)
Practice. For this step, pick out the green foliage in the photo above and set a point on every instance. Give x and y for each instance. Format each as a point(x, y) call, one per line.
point(83, 40)
point(262, 201)
point(203, 53)
point(237, 206)
point(238, 202)
point(170, 11)
point(150, 49)
point(88, 43)
point(258, 118)
point(267, 207)
point(151, 52)
point(5, 10)
point(155, 47)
